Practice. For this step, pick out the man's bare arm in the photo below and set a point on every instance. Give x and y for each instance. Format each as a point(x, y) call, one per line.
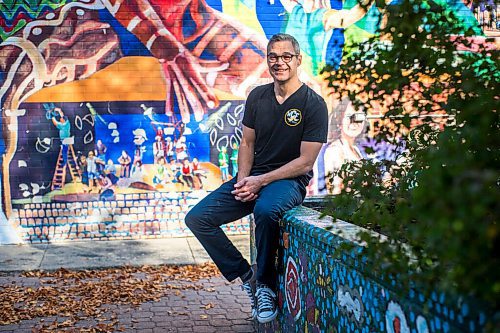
point(248, 188)
point(297, 167)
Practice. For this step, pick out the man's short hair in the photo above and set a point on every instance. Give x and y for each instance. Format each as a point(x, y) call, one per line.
point(284, 38)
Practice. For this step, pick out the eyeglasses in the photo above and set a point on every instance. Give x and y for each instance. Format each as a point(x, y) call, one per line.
point(287, 57)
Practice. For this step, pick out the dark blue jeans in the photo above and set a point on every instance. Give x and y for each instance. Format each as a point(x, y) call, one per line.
point(220, 207)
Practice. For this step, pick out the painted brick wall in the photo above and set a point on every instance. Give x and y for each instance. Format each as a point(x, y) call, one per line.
point(117, 116)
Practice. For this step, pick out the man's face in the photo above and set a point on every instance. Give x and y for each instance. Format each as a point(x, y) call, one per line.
point(280, 70)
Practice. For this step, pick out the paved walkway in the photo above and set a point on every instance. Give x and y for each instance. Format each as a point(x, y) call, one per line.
point(102, 254)
point(152, 300)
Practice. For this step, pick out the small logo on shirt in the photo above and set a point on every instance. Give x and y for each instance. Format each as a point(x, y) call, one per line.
point(293, 117)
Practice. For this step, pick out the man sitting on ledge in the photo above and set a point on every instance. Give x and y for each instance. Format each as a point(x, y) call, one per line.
point(284, 126)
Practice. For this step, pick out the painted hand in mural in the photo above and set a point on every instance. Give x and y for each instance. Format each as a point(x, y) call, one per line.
point(229, 56)
point(181, 69)
point(76, 41)
point(191, 91)
point(189, 77)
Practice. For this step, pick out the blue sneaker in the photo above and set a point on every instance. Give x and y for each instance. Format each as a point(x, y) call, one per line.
point(249, 287)
point(266, 304)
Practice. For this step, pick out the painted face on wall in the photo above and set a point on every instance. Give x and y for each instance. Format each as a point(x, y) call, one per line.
point(350, 128)
point(283, 61)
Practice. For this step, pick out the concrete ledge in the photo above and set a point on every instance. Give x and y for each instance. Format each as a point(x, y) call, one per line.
point(323, 288)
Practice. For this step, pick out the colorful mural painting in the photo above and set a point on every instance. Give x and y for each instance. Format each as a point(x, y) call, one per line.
point(324, 288)
point(119, 111)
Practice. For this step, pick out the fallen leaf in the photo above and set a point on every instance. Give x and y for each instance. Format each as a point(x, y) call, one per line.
point(80, 295)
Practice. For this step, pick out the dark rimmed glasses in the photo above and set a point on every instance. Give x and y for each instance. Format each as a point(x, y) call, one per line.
point(286, 57)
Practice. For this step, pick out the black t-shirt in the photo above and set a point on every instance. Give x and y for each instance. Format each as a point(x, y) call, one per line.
point(280, 128)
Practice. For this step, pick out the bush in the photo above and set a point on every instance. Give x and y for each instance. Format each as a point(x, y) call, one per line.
point(438, 198)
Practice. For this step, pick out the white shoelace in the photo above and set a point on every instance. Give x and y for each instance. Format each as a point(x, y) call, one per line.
point(247, 287)
point(265, 299)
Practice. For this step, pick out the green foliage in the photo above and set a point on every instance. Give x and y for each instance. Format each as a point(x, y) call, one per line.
point(438, 199)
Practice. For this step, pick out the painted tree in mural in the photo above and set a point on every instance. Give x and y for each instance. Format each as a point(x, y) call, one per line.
point(436, 196)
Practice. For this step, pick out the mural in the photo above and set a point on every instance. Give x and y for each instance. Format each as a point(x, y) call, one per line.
point(107, 103)
point(324, 288)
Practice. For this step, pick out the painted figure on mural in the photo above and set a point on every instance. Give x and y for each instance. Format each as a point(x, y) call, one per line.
point(106, 187)
point(169, 149)
point(341, 147)
point(137, 172)
point(158, 148)
point(175, 171)
point(100, 150)
point(181, 152)
point(82, 164)
point(224, 164)
point(110, 168)
point(234, 159)
point(100, 153)
point(110, 171)
point(61, 122)
point(285, 124)
point(198, 172)
point(125, 162)
point(187, 173)
point(161, 175)
point(139, 138)
point(92, 171)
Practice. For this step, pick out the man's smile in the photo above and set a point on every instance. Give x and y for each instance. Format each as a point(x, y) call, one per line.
point(279, 70)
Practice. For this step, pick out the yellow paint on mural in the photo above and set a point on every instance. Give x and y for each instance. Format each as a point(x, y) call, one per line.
point(243, 14)
point(128, 79)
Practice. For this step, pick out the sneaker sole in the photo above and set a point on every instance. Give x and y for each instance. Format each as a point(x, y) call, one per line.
point(267, 319)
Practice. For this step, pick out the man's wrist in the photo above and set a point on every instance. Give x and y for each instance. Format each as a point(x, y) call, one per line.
point(265, 179)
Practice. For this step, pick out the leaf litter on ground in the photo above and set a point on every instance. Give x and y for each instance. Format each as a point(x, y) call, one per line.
point(74, 296)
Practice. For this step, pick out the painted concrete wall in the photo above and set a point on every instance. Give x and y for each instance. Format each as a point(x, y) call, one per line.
point(322, 288)
point(118, 116)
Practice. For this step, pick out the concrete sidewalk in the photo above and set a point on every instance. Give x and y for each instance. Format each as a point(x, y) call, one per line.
point(103, 254)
